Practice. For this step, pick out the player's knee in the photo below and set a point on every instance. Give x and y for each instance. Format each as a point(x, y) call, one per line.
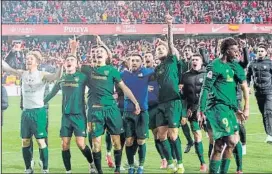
point(129, 142)
point(231, 143)
point(173, 133)
point(41, 143)
point(65, 145)
point(81, 144)
point(197, 136)
point(116, 142)
point(140, 141)
point(162, 136)
point(26, 142)
point(183, 121)
point(96, 146)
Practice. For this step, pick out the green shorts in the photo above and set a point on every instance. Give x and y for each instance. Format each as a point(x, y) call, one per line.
point(136, 125)
point(34, 122)
point(222, 120)
point(194, 122)
point(73, 123)
point(169, 114)
point(108, 117)
point(152, 112)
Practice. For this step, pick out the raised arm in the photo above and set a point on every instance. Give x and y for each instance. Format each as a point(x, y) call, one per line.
point(100, 42)
point(13, 71)
point(54, 76)
point(169, 20)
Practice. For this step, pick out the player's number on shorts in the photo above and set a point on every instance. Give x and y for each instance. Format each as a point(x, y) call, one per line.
point(225, 122)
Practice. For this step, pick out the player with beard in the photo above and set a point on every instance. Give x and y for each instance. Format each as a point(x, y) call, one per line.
point(149, 60)
point(136, 126)
point(169, 109)
point(261, 71)
point(102, 107)
point(220, 108)
point(240, 132)
point(192, 81)
point(72, 84)
point(33, 88)
point(153, 93)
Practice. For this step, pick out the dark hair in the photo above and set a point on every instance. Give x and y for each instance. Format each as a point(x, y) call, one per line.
point(198, 55)
point(226, 43)
point(188, 46)
point(263, 45)
point(136, 54)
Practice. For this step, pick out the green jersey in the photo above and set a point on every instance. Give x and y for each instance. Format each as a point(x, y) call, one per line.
point(101, 82)
point(73, 91)
point(220, 85)
point(167, 76)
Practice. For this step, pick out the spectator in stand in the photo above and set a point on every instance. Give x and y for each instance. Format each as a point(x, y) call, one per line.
point(136, 11)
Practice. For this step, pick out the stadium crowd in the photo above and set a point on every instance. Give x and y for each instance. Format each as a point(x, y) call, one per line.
point(120, 46)
point(140, 12)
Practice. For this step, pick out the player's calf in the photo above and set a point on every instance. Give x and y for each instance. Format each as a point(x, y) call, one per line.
point(116, 142)
point(44, 154)
point(27, 155)
point(176, 144)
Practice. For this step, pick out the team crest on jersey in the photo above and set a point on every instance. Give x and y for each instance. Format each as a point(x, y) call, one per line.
point(76, 79)
point(201, 80)
point(209, 74)
point(106, 73)
point(140, 75)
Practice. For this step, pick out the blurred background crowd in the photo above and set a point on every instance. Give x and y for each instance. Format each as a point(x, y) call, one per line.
point(140, 12)
point(127, 12)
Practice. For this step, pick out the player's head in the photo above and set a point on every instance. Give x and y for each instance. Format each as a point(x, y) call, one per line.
point(197, 61)
point(261, 51)
point(229, 48)
point(161, 51)
point(136, 62)
point(33, 59)
point(188, 51)
point(149, 60)
point(101, 55)
point(70, 64)
point(127, 62)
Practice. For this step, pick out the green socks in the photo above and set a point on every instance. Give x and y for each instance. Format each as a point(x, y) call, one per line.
point(177, 149)
point(225, 166)
point(97, 161)
point(238, 155)
point(199, 151)
point(66, 157)
point(214, 166)
point(167, 151)
point(130, 155)
point(187, 134)
point(117, 158)
point(159, 148)
point(108, 141)
point(142, 153)
point(173, 153)
point(27, 154)
point(88, 154)
point(44, 157)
